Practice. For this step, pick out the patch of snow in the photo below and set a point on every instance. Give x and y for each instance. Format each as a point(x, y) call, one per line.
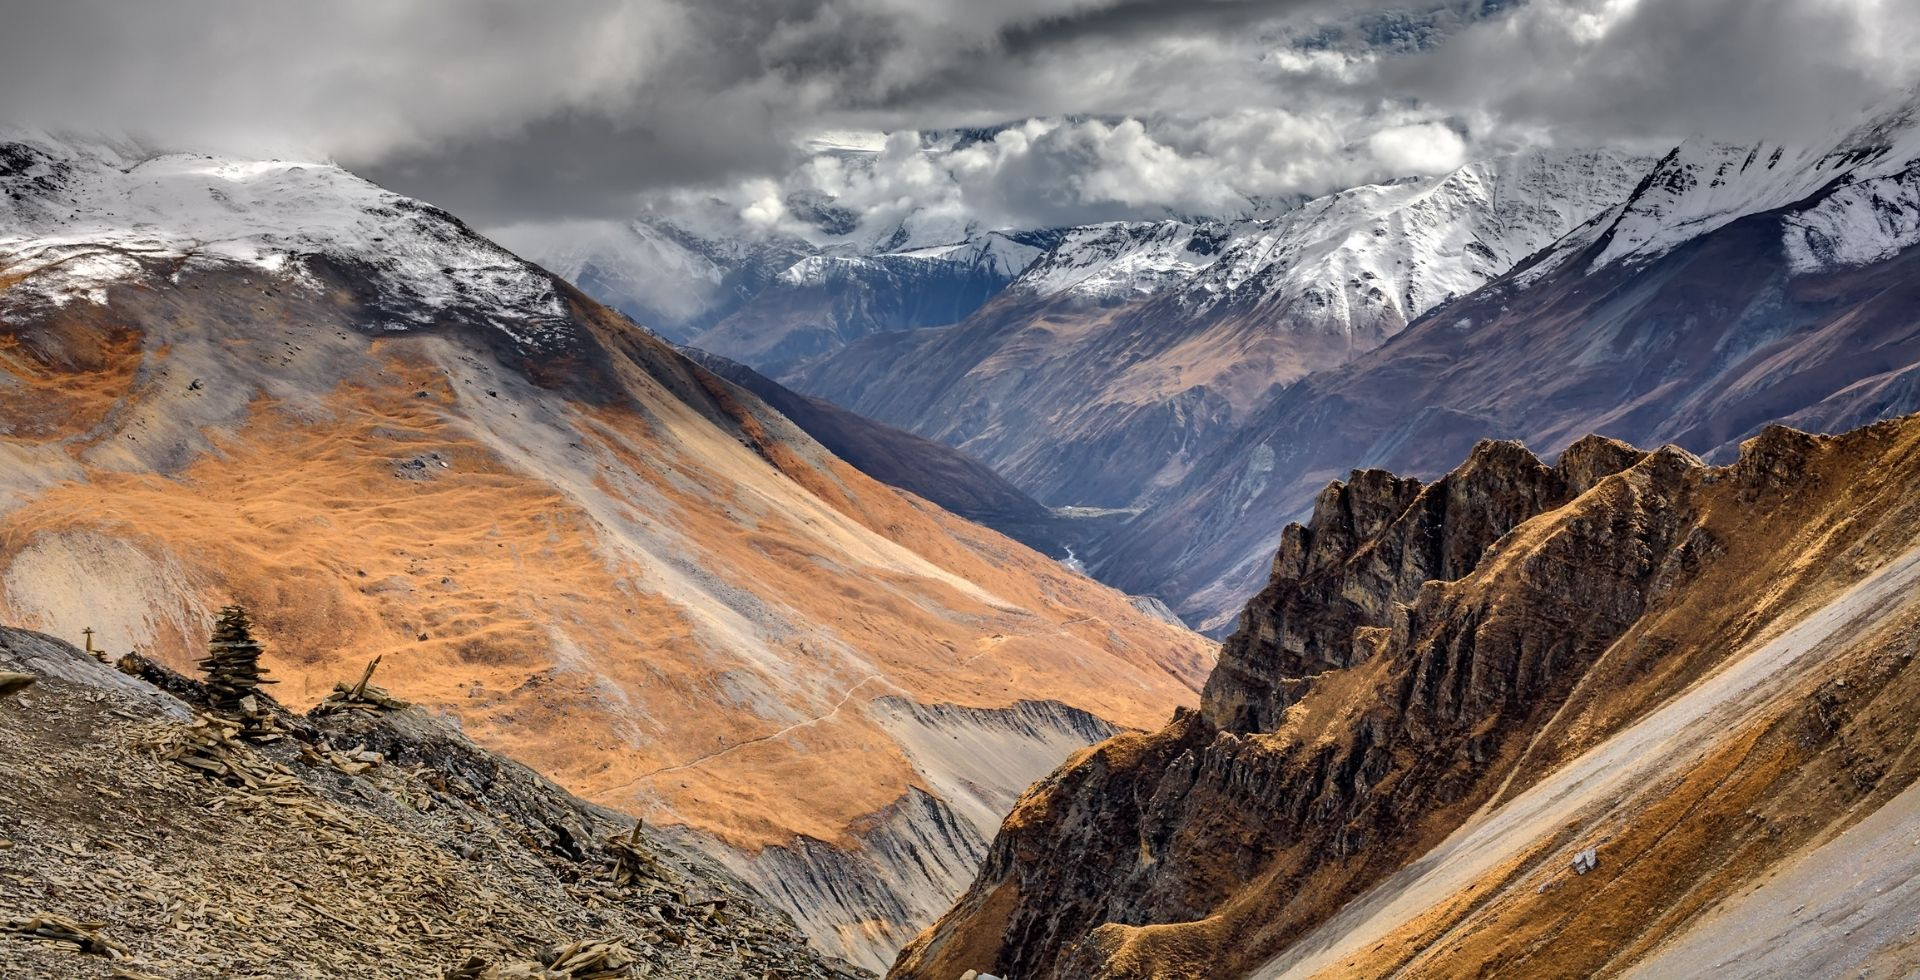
point(1122, 260)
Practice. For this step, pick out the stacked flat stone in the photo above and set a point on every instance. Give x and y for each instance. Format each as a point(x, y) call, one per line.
point(234, 676)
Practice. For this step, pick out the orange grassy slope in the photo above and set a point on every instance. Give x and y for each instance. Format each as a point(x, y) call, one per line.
point(605, 562)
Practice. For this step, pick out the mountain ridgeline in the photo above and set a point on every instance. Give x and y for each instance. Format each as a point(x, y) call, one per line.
point(1734, 287)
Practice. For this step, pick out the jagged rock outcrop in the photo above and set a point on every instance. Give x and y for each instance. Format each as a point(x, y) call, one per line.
point(1430, 658)
point(1370, 546)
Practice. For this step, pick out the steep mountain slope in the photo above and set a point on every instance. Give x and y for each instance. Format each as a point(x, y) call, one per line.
point(1131, 351)
point(1737, 286)
point(957, 482)
point(276, 383)
point(369, 844)
point(1525, 721)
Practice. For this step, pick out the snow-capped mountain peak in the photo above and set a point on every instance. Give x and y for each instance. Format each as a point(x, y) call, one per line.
point(1849, 198)
point(1123, 260)
point(1391, 250)
point(76, 217)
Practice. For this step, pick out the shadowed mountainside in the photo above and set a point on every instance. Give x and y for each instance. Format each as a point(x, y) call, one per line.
point(948, 477)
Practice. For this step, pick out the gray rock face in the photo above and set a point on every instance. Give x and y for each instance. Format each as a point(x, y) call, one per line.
point(1371, 545)
point(921, 853)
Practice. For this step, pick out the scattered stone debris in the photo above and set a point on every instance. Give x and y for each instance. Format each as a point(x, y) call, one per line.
point(293, 858)
point(419, 467)
point(234, 675)
point(1585, 861)
point(579, 960)
point(59, 929)
point(353, 762)
point(358, 696)
point(632, 862)
point(211, 746)
point(13, 681)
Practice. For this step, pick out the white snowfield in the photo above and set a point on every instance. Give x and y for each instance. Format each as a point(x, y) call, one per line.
point(1123, 260)
point(1850, 199)
point(1597, 790)
point(76, 217)
point(991, 252)
point(1380, 253)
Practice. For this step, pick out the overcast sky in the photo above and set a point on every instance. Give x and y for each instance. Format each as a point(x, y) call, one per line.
point(510, 112)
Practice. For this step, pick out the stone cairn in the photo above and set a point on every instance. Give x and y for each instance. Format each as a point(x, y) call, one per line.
point(234, 676)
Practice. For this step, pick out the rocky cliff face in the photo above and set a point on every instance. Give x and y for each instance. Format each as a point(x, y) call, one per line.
point(1410, 720)
point(1372, 544)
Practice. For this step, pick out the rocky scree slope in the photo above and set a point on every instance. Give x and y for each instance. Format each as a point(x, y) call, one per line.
point(378, 844)
point(1128, 352)
point(276, 383)
point(1735, 287)
point(1696, 676)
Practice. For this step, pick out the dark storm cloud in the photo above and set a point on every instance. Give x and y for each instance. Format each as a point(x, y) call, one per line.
point(508, 111)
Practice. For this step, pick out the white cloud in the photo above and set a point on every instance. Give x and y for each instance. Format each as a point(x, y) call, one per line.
point(504, 111)
point(1421, 148)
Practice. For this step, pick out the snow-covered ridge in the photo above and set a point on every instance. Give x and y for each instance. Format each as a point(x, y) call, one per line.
point(992, 253)
point(77, 217)
point(1384, 253)
point(1123, 260)
point(1849, 199)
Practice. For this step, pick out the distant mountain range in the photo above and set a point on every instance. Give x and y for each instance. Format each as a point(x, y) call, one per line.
point(1734, 287)
point(1200, 371)
point(1130, 352)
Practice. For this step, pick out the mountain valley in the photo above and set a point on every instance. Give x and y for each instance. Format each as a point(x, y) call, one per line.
point(1096, 490)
